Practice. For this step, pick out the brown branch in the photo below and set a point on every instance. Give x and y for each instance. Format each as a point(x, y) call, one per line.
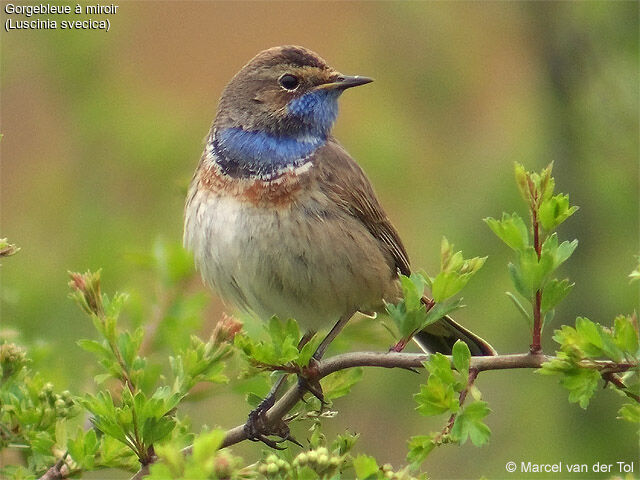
point(392, 360)
point(473, 374)
point(536, 346)
point(611, 377)
point(58, 471)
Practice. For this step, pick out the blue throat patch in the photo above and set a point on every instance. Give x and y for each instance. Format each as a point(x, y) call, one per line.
point(317, 110)
point(243, 153)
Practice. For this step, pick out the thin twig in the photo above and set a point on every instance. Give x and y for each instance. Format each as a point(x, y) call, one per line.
point(611, 377)
point(58, 471)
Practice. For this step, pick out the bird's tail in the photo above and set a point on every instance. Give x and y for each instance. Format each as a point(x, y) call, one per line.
point(439, 337)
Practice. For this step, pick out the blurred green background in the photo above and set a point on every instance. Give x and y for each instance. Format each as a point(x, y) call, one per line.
point(102, 132)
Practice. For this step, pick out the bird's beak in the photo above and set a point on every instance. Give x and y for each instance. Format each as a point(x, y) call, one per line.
point(345, 81)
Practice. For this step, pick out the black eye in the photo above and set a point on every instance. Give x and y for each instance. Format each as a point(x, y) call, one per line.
point(289, 81)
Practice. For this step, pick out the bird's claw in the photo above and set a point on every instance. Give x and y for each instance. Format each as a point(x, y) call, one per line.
point(313, 387)
point(308, 381)
point(258, 429)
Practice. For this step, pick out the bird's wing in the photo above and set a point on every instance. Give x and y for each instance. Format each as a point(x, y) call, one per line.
point(348, 186)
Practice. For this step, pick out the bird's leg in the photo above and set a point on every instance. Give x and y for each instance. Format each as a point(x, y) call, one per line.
point(337, 328)
point(309, 381)
point(256, 427)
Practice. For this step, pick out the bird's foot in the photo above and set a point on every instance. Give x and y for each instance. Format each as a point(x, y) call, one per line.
point(258, 428)
point(309, 381)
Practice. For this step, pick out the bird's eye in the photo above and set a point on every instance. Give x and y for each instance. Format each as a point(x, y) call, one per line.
point(289, 81)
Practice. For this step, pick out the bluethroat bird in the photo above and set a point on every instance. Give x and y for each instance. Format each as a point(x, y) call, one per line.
point(281, 220)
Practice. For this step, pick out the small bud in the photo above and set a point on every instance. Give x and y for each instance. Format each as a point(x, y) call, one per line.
point(86, 287)
point(323, 459)
point(226, 329)
point(222, 466)
point(272, 468)
point(312, 455)
point(302, 459)
point(12, 359)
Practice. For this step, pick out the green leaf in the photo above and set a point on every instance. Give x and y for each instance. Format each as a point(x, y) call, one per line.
point(521, 180)
point(524, 312)
point(555, 210)
point(625, 335)
point(529, 274)
point(630, 412)
point(511, 229)
point(581, 383)
point(554, 292)
point(436, 397)
point(595, 341)
point(439, 366)
point(206, 444)
point(280, 349)
point(461, 356)
point(409, 315)
point(413, 290)
point(339, 384)
point(440, 310)
point(456, 271)
point(365, 467)
point(516, 279)
point(97, 348)
point(419, 448)
point(446, 285)
point(155, 430)
point(61, 433)
point(547, 318)
point(469, 424)
point(344, 443)
point(557, 254)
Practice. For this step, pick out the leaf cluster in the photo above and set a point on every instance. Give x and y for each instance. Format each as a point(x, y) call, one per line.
point(144, 414)
point(586, 344)
point(281, 350)
point(206, 460)
point(30, 410)
point(442, 394)
point(414, 311)
point(538, 251)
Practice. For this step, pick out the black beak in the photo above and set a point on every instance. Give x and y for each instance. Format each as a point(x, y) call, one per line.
point(345, 81)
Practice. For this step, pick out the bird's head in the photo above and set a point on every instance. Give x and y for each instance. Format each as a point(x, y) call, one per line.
point(284, 91)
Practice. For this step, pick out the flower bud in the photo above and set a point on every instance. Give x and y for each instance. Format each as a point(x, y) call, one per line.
point(226, 329)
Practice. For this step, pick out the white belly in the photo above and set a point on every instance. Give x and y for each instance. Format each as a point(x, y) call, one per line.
point(310, 263)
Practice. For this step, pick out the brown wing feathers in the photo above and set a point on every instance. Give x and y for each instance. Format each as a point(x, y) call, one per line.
point(349, 187)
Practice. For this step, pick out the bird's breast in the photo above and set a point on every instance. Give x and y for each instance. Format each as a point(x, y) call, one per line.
point(311, 261)
point(280, 191)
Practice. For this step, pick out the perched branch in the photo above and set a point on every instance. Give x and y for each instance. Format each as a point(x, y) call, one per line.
point(392, 359)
